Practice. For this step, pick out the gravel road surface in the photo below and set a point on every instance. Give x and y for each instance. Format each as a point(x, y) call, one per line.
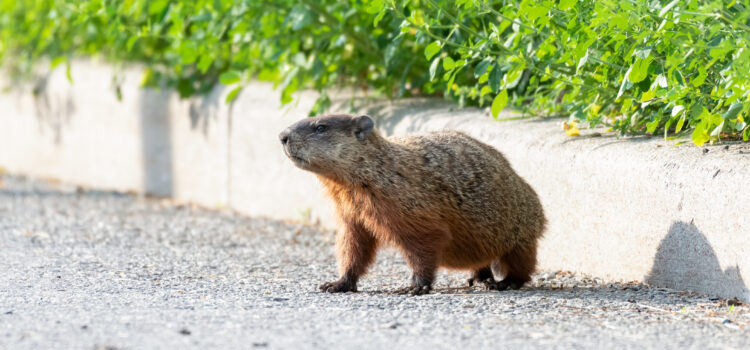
point(86, 269)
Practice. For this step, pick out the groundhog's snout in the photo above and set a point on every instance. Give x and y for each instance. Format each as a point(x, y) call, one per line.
point(290, 143)
point(284, 136)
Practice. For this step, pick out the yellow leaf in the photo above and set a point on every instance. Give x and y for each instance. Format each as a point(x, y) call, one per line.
point(571, 129)
point(595, 109)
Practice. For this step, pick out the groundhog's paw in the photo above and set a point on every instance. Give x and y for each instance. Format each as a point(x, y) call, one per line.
point(507, 283)
point(489, 283)
point(415, 290)
point(340, 286)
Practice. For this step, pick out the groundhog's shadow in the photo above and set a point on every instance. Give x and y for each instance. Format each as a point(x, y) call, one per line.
point(685, 260)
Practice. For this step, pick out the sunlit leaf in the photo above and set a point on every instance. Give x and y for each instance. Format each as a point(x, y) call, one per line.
point(500, 101)
point(233, 94)
point(229, 77)
point(431, 50)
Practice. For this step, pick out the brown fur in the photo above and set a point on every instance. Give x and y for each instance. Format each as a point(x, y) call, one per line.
point(444, 199)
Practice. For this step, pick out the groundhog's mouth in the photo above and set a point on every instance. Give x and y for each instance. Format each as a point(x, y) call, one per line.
point(298, 160)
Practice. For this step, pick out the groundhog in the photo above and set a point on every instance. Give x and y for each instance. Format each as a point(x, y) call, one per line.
point(444, 199)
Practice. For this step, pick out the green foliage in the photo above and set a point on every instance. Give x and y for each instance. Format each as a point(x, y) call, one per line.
point(637, 66)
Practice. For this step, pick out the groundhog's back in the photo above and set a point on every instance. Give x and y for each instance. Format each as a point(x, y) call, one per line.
point(466, 179)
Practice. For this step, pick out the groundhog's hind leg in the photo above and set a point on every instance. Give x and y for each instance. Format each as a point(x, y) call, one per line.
point(517, 266)
point(483, 275)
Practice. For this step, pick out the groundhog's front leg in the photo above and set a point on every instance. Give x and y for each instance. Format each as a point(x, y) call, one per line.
point(356, 249)
point(423, 263)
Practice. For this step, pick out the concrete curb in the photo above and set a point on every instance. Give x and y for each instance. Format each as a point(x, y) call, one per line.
point(632, 209)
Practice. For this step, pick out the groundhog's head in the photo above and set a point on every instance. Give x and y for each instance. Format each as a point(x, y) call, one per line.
point(327, 144)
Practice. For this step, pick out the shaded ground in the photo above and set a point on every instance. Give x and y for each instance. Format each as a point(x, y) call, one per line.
point(102, 270)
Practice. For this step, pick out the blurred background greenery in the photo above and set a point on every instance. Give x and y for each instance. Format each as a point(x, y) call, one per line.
point(671, 68)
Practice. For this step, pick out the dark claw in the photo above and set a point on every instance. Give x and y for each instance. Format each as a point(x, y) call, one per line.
point(340, 286)
point(489, 283)
point(506, 284)
point(415, 290)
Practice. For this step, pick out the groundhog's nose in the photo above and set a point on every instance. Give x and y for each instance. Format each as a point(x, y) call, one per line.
point(284, 136)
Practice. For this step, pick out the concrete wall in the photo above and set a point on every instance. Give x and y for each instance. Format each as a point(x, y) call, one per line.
point(632, 209)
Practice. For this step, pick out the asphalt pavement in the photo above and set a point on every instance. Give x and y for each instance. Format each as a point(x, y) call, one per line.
point(82, 269)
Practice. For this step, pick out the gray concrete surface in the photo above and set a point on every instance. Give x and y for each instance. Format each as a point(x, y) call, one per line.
point(103, 270)
point(619, 208)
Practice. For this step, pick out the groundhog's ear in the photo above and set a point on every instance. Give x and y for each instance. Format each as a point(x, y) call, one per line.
point(363, 126)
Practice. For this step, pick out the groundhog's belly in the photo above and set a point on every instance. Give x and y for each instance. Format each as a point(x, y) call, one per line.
point(459, 244)
point(467, 253)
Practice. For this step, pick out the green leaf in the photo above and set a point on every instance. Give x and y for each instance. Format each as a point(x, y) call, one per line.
point(535, 12)
point(700, 78)
point(648, 95)
point(495, 79)
point(131, 42)
point(268, 75)
point(639, 70)
point(677, 109)
point(661, 81)
point(434, 68)
point(299, 17)
point(188, 52)
point(483, 79)
point(431, 50)
point(68, 74)
point(448, 63)
point(566, 4)
point(482, 67)
point(668, 7)
point(233, 94)
point(677, 76)
point(205, 63)
point(717, 130)
point(700, 134)
point(679, 125)
point(288, 90)
point(733, 111)
point(378, 18)
point(157, 6)
point(57, 61)
point(500, 101)
point(643, 53)
point(619, 22)
point(374, 6)
point(625, 85)
point(582, 61)
point(229, 77)
point(513, 77)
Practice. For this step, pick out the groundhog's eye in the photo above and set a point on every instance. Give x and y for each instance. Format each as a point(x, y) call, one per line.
point(321, 128)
